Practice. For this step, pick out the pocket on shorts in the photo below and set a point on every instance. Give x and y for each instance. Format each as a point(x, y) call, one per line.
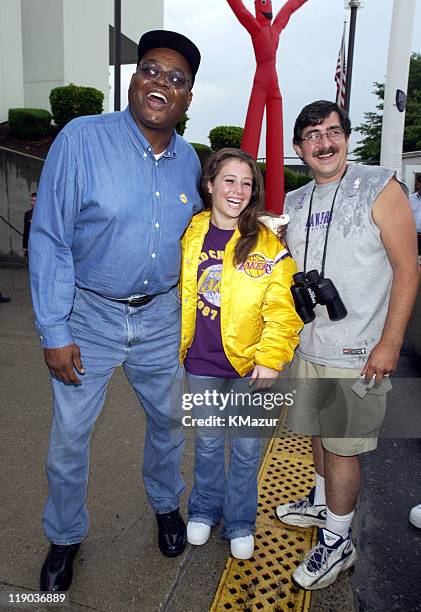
point(384, 387)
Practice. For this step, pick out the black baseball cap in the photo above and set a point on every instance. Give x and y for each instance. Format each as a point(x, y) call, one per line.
point(165, 39)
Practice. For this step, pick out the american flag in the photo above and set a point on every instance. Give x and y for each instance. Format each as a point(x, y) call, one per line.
point(340, 74)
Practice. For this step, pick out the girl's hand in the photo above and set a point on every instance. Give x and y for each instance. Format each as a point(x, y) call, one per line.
point(263, 377)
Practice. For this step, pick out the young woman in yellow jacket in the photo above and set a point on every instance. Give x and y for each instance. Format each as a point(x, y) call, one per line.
point(239, 328)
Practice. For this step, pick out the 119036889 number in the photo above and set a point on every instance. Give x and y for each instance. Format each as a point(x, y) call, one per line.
point(32, 598)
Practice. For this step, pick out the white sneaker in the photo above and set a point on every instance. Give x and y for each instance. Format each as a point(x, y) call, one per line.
point(302, 513)
point(331, 555)
point(242, 548)
point(197, 533)
point(415, 516)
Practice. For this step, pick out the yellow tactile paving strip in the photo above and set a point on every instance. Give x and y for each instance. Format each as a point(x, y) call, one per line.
point(263, 583)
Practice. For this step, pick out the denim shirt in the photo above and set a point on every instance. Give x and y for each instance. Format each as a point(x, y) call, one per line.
point(109, 217)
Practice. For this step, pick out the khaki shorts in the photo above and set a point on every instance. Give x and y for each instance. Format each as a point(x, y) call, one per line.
point(326, 406)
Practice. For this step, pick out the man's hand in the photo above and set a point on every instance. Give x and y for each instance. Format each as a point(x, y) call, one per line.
point(282, 234)
point(62, 363)
point(277, 224)
point(263, 377)
point(393, 216)
point(381, 362)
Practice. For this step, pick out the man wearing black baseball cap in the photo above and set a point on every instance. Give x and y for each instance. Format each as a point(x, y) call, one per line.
point(116, 194)
point(156, 39)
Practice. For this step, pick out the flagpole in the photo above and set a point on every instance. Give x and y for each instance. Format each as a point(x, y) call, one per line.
point(354, 5)
point(340, 74)
point(117, 55)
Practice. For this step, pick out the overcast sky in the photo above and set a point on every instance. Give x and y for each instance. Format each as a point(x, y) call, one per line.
point(306, 59)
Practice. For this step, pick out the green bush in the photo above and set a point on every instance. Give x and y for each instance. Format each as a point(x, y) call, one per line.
point(73, 101)
point(262, 166)
point(225, 136)
point(293, 180)
point(301, 179)
point(32, 123)
point(202, 150)
point(290, 178)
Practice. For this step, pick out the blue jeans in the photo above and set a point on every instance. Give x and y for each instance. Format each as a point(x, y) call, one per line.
point(145, 341)
point(218, 492)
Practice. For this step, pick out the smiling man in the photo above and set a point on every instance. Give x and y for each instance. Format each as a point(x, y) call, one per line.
point(116, 194)
point(353, 224)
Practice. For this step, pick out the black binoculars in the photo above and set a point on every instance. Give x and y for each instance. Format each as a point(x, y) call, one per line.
point(311, 289)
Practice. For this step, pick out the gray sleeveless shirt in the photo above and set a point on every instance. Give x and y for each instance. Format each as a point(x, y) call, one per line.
point(356, 262)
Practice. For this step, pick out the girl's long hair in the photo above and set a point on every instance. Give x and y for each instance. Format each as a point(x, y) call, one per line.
point(248, 223)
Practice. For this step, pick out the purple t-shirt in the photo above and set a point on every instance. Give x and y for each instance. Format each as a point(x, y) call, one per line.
point(206, 356)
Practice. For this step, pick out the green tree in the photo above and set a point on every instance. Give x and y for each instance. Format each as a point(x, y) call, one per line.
point(368, 148)
point(180, 128)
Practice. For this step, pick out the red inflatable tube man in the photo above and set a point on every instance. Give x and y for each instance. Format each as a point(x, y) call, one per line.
point(265, 37)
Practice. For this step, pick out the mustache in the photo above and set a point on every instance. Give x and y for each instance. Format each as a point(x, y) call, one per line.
point(325, 151)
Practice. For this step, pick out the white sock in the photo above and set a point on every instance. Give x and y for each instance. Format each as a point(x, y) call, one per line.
point(339, 524)
point(319, 493)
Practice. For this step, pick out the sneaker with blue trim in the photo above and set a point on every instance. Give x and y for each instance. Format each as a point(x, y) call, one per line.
point(331, 555)
point(303, 513)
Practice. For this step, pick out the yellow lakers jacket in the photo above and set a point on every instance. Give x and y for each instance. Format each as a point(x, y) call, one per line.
point(259, 324)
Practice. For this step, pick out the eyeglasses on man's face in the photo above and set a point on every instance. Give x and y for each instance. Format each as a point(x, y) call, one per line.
point(334, 133)
point(152, 72)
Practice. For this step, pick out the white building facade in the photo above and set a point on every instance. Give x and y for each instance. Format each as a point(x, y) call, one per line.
point(411, 167)
point(50, 43)
point(11, 61)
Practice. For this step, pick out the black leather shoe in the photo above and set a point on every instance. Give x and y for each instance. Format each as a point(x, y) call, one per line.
point(172, 536)
point(57, 571)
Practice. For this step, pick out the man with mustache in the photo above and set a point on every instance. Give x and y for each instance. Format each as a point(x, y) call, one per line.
point(116, 194)
point(354, 225)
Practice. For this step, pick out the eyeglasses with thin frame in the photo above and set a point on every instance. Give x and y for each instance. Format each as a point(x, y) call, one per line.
point(152, 72)
point(334, 133)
